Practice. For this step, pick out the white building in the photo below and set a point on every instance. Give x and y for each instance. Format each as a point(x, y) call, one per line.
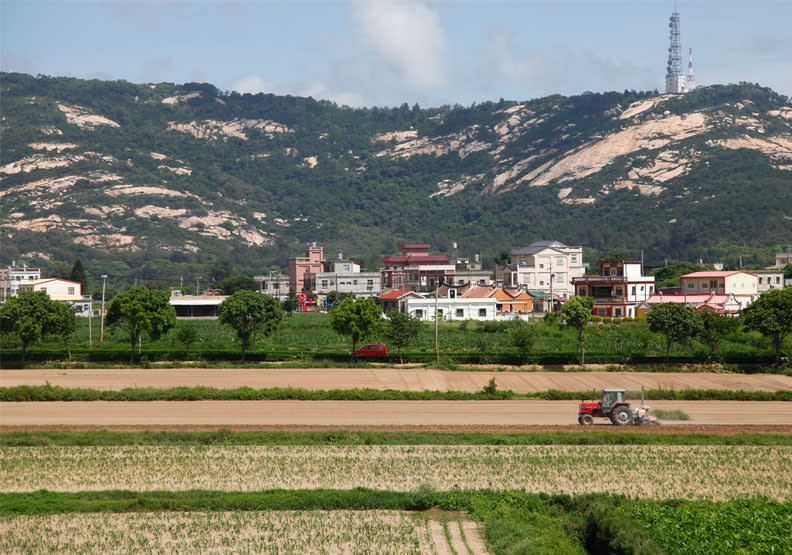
point(744, 285)
point(61, 290)
point(547, 266)
point(12, 276)
point(344, 276)
point(459, 308)
point(274, 284)
point(769, 279)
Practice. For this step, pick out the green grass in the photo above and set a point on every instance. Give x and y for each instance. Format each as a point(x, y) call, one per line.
point(670, 414)
point(346, 437)
point(48, 392)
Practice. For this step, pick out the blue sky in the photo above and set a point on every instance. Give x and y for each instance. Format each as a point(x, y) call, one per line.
point(384, 53)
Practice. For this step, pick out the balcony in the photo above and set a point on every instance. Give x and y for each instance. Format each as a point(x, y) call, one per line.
point(586, 280)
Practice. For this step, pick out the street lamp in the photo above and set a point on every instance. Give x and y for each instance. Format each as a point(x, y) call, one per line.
point(101, 324)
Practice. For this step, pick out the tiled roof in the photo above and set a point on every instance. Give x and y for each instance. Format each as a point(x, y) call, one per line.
point(538, 294)
point(478, 292)
point(394, 294)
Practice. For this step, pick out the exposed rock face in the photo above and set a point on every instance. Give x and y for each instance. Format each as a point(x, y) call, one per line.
point(213, 130)
point(82, 117)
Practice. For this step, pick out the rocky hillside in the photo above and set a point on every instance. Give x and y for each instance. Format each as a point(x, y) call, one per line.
point(132, 173)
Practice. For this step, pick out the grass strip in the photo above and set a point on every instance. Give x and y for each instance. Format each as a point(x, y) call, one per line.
point(48, 392)
point(353, 437)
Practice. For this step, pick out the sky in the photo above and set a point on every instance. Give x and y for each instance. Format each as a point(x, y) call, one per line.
point(387, 52)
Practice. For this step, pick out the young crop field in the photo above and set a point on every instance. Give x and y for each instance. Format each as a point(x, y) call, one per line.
point(714, 472)
point(748, 526)
point(343, 531)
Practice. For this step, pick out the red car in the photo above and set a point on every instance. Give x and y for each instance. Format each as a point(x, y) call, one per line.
point(371, 350)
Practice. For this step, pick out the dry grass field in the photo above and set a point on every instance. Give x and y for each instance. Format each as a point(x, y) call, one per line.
point(387, 532)
point(653, 472)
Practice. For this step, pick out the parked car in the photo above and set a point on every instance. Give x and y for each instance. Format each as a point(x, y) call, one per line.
point(371, 350)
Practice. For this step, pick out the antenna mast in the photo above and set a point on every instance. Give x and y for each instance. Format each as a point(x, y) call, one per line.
point(675, 79)
point(691, 79)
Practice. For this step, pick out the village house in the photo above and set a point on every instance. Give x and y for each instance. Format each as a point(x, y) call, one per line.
point(416, 269)
point(469, 302)
point(12, 276)
point(396, 300)
point(274, 284)
point(618, 289)
point(343, 276)
point(543, 266)
point(703, 302)
point(744, 285)
point(196, 306)
point(769, 279)
point(61, 290)
point(301, 265)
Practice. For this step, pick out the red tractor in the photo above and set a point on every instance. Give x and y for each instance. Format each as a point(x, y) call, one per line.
point(611, 406)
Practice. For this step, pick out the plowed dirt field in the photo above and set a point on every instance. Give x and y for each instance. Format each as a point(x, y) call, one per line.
point(406, 379)
point(469, 415)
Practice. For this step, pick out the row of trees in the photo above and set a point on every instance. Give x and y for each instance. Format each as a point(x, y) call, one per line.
point(770, 315)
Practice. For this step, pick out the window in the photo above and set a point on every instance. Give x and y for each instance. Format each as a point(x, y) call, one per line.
point(354, 282)
point(460, 313)
point(71, 290)
point(452, 293)
point(617, 312)
point(632, 290)
point(760, 281)
point(541, 283)
point(574, 258)
point(713, 284)
point(778, 279)
point(439, 312)
point(541, 265)
point(582, 291)
point(482, 312)
point(613, 271)
point(690, 285)
point(618, 291)
point(370, 282)
point(419, 313)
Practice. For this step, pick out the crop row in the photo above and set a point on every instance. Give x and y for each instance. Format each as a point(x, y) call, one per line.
point(228, 438)
point(343, 531)
point(650, 472)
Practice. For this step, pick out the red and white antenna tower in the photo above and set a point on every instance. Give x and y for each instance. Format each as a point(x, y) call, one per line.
point(691, 79)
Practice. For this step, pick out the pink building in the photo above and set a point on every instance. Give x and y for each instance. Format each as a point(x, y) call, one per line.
point(301, 265)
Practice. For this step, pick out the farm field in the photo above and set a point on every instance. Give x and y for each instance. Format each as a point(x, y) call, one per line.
point(402, 379)
point(711, 472)
point(342, 531)
point(356, 414)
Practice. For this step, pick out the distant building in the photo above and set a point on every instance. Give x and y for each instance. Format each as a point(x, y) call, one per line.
point(196, 306)
point(618, 289)
point(343, 276)
point(302, 265)
point(712, 302)
point(396, 299)
point(416, 269)
point(744, 285)
point(470, 302)
point(782, 259)
point(273, 284)
point(769, 279)
point(12, 276)
point(61, 290)
point(470, 271)
point(547, 266)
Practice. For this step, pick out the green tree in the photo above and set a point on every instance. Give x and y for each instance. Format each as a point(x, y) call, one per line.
point(236, 283)
point(356, 318)
point(27, 315)
point(290, 303)
point(401, 329)
point(186, 334)
point(220, 270)
point(63, 323)
point(250, 314)
point(502, 258)
point(79, 274)
point(522, 336)
point(334, 297)
point(788, 271)
point(576, 313)
point(771, 315)
point(675, 321)
point(714, 328)
point(141, 310)
point(668, 276)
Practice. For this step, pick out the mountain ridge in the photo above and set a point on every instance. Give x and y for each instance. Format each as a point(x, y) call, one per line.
point(185, 174)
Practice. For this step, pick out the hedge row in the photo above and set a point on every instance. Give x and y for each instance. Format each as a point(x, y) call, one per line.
point(23, 393)
point(12, 358)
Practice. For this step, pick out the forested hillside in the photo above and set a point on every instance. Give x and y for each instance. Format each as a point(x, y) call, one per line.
point(155, 181)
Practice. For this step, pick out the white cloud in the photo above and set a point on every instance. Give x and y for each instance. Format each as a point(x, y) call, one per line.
point(407, 35)
point(252, 84)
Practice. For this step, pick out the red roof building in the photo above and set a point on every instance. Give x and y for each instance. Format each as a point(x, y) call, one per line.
point(416, 269)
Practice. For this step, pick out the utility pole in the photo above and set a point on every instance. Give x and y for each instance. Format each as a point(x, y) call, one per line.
point(101, 323)
point(437, 324)
point(90, 330)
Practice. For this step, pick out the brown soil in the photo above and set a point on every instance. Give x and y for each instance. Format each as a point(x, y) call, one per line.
point(501, 416)
point(405, 379)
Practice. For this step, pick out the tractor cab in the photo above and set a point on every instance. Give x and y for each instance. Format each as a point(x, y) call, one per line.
point(611, 397)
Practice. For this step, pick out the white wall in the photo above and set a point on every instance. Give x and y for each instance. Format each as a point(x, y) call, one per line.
point(452, 309)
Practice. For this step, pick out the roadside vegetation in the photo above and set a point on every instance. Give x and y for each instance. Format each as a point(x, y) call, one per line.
point(311, 338)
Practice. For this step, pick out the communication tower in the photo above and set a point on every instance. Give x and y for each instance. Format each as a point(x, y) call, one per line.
point(691, 79)
point(675, 79)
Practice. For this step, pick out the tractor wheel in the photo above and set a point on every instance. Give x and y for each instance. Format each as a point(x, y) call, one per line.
point(586, 419)
point(621, 416)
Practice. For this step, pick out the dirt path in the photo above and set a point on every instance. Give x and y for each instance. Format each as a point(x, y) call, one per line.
point(407, 414)
point(407, 379)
